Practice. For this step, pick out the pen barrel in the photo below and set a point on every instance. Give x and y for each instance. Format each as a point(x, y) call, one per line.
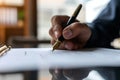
point(77, 10)
point(71, 20)
point(61, 38)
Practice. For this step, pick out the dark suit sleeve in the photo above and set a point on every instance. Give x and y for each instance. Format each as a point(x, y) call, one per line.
point(106, 27)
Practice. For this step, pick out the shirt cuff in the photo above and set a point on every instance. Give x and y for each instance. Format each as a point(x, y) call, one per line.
point(92, 42)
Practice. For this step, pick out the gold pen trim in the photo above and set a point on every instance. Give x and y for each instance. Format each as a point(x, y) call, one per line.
point(56, 44)
point(4, 49)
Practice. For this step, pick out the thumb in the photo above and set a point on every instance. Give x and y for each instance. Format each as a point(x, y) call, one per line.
point(72, 30)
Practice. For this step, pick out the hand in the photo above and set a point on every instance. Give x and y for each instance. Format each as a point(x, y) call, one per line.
point(70, 74)
point(76, 34)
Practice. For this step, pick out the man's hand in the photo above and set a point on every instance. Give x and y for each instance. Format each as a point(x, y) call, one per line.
point(76, 34)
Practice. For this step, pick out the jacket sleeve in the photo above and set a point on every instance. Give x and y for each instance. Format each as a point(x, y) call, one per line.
point(106, 27)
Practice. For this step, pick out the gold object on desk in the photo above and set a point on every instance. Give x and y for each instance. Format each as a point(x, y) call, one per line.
point(56, 45)
point(4, 49)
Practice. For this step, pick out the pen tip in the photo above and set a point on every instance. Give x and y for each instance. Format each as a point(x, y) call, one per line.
point(56, 45)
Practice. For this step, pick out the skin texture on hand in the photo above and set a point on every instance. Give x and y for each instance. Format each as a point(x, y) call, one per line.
point(76, 34)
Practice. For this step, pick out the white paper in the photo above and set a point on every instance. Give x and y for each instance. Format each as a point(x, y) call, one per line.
point(21, 59)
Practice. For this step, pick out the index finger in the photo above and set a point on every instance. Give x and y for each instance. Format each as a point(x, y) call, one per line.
point(58, 23)
point(59, 20)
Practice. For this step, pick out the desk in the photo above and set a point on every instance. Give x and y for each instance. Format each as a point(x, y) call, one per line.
point(33, 59)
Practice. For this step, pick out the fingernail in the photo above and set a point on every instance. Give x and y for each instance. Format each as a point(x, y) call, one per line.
point(68, 33)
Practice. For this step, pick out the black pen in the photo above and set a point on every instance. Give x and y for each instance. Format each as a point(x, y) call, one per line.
point(71, 20)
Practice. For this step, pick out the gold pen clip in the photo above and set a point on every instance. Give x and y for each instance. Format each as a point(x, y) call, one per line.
point(4, 49)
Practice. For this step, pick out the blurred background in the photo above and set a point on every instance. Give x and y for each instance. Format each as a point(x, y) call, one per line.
point(25, 23)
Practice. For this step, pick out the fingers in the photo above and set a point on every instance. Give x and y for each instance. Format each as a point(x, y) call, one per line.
point(57, 25)
point(69, 45)
point(61, 20)
point(76, 74)
point(73, 30)
point(55, 31)
point(76, 34)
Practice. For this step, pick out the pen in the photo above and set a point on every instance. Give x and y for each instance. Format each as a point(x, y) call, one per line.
point(71, 20)
point(4, 49)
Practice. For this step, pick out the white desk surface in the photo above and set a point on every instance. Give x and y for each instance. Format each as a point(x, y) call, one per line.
point(21, 59)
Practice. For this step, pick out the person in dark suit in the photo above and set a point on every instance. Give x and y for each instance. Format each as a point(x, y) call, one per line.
point(100, 33)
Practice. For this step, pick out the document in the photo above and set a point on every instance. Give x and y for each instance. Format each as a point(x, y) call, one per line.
point(22, 59)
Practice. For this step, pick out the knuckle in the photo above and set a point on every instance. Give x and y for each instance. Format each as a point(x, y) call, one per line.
point(50, 31)
point(55, 17)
